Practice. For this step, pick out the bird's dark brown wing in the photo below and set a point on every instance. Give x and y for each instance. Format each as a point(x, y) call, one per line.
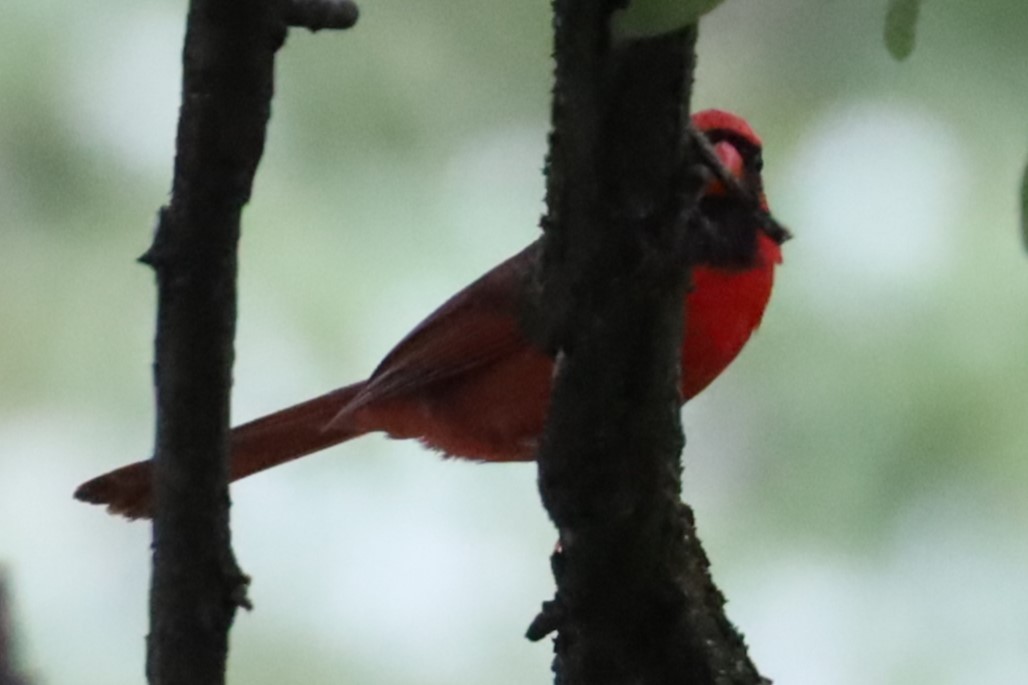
point(477, 327)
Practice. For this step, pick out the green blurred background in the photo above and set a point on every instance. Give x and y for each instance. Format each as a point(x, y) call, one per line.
point(859, 475)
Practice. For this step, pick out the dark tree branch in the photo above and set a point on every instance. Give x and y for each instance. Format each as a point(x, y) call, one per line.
point(226, 95)
point(227, 88)
point(635, 602)
point(708, 157)
point(321, 14)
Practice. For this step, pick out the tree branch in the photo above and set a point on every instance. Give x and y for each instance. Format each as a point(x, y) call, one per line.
point(635, 602)
point(321, 14)
point(228, 63)
point(226, 94)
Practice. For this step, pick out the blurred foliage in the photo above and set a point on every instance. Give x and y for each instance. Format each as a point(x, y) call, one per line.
point(859, 474)
point(901, 27)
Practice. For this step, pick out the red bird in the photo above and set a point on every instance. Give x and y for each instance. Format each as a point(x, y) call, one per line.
point(467, 381)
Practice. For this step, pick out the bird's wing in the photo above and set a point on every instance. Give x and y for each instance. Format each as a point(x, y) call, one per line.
point(475, 328)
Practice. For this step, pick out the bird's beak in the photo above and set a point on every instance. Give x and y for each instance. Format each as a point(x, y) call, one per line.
point(733, 163)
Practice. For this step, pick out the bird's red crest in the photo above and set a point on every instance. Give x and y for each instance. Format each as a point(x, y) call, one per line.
point(717, 119)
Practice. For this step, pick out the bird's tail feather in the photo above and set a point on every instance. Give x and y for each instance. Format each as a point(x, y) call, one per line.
point(258, 445)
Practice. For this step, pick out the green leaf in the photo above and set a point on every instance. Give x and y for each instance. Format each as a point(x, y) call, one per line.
point(1024, 207)
point(901, 27)
point(645, 18)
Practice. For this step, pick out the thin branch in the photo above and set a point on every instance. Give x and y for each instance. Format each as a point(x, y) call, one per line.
point(708, 157)
point(226, 94)
point(228, 64)
point(321, 14)
point(635, 602)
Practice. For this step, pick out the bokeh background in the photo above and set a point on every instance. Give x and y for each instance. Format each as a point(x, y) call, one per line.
point(859, 475)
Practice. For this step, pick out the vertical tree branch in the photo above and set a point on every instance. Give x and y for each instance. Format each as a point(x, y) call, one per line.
point(226, 95)
point(227, 86)
point(635, 603)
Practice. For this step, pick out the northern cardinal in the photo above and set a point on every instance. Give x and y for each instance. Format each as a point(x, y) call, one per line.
point(468, 382)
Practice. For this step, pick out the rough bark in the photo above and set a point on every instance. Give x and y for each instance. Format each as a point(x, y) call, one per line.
point(196, 585)
point(228, 62)
point(635, 602)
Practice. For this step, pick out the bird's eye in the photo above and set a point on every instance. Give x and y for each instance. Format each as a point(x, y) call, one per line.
point(757, 162)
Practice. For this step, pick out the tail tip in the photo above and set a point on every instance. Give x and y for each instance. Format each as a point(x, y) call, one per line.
point(119, 498)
